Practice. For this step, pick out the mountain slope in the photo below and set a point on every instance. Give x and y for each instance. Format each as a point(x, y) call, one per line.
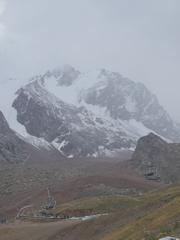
point(151, 216)
point(73, 130)
point(126, 100)
point(161, 221)
point(12, 148)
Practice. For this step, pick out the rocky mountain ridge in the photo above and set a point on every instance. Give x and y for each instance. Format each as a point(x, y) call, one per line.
point(98, 113)
point(73, 130)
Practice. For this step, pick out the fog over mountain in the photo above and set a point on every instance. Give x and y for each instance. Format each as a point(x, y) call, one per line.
point(89, 119)
point(139, 39)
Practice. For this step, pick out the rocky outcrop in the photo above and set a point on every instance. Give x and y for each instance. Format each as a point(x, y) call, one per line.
point(157, 159)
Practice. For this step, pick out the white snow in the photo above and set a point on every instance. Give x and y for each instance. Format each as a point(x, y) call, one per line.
point(90, 217)
point(59, 147)
point(130, 104)
point(7, 95)
point(38, 142)
point(132, 127)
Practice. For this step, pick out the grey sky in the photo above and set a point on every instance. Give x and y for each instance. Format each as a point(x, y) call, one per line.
point(139, 38)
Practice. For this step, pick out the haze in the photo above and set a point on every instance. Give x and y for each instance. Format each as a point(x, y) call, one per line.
point(138, 38)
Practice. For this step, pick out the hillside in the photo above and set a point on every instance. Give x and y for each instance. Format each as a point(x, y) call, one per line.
point(151, 216)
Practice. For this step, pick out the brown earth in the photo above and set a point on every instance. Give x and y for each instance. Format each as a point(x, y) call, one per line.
point(68, 179)
point(92, 180)
point(33, 231)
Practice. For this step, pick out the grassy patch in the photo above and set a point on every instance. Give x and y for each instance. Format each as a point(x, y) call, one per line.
point(161, 221)
point(100, 204)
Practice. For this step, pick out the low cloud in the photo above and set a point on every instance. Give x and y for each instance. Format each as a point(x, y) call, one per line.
point(2, 26)
point(140, 39)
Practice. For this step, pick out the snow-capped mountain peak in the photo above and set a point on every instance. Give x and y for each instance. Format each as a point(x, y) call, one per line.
point(91, 113)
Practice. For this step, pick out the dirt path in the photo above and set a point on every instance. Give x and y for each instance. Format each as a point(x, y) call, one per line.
point(33, 231)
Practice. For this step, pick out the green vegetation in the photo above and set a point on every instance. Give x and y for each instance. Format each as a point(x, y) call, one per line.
point(147, 217)
point(162, 218)
point(100, 204)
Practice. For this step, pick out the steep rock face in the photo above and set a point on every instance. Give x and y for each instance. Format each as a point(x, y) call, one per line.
point(42, 113)
point(154, 156)
point(12, 148)
point(73, 130)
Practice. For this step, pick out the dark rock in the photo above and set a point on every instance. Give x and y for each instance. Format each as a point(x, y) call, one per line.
point(157, 159)
point(12, 148)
